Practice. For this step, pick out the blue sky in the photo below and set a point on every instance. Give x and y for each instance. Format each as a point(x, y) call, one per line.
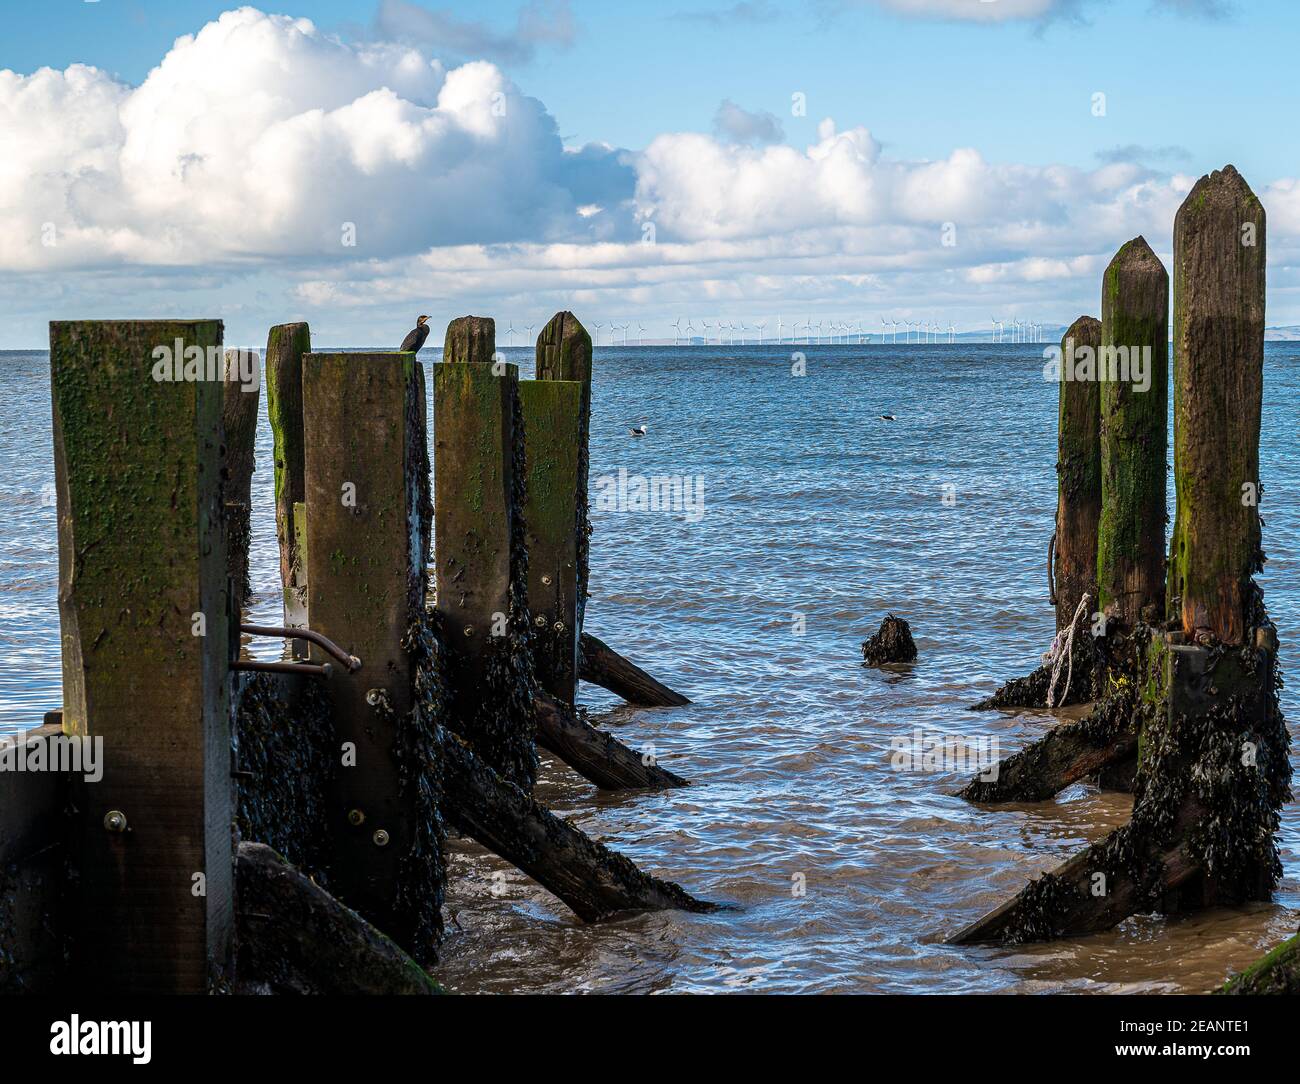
point(1188, 86)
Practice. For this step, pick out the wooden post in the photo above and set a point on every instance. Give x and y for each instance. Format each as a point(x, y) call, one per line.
point(553, 440)
point(1218, 391)
point(144, 619)
point(365, 588)
point(285, 347)
point(243, 386)
point(470, 339)
point(1133, 369)
point(480, 554)
point(1078, 471)
point(564, 353)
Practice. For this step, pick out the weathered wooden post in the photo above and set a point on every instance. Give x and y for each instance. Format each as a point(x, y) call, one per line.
point(1078, 470)
point(1213, 771)
point(470, 339)
point(480, 556)
point(1218, 394)
point(564, 353)
point(365, 584)
point(285, 347)
point(1133, 370)
point(554, 441)
point(243, 386)
point(143, 609)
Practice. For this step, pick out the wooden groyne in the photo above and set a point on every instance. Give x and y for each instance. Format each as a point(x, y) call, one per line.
point(1195, 696)
point(279, 826)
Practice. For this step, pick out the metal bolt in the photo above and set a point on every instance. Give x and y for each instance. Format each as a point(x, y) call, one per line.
point(381, 838)
point(469, 630)
point(546, 581)
point(559, 626)
point(540, 621)
point(115, 820)
point(356, 817)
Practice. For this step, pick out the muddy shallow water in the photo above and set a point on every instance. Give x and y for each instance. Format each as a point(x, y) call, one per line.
point(818, 518)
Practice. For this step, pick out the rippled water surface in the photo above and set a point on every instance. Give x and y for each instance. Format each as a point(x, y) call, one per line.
point(819, 518)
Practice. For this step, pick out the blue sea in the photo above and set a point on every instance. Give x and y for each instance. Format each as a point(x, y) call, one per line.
point(812, 519)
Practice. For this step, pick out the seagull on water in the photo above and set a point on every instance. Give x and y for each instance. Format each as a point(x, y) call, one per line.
point(637, 432)
point(887, 418)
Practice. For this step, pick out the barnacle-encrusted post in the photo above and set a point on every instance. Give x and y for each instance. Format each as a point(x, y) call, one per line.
point(553, 430)
point(243, 385)
point(564, 353)
point(1133, 374)
point(365, 577)
point(1078, 470)
point(1218, 395)
point(143, 611)
point(480, 553)
point(1213, 771)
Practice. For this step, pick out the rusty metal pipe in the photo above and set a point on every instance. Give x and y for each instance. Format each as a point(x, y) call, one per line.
point(324, 670)
point(350, 662)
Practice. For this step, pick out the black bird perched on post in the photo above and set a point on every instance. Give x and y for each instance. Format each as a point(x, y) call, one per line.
point(416, 338)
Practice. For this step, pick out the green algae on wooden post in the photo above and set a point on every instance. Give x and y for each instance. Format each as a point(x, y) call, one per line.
point(143, 610)
point(470, 339)
point(564, 353)
point(243, 385)
point(285, 347)
point(1133, 370)
point(552, 433)
point(1219, 278)
point(1078, 470)
point(481, 562)
point(365, 584)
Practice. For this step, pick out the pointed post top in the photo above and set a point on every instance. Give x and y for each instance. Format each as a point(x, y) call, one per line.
point(564, 349)
point(1085, 329)
point(1136, 255)
point(1222, 187)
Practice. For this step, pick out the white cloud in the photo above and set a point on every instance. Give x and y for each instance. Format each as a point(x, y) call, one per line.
point(738, 125)
point(260, 136)
point(538, 24)
point(981, 11)
point(227, 176)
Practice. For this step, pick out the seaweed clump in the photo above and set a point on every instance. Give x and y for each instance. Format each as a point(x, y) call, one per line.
point(422, 871)
point(282, 765)
point(892, 643)
point(1212, 779)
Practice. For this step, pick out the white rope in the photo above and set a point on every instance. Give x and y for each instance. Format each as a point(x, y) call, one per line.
point(1062, 653)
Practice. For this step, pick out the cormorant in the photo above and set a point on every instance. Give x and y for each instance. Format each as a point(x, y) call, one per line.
point(416, 338)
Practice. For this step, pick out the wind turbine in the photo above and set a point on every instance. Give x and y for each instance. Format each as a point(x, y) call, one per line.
point(598, 327)
point(706, 326)
point(529, 329)
point(780, 337)
point(677, 331)
point(952, 333)
point(640, 337)
point(690, 334)
point(759, 328)
point(510, 334)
